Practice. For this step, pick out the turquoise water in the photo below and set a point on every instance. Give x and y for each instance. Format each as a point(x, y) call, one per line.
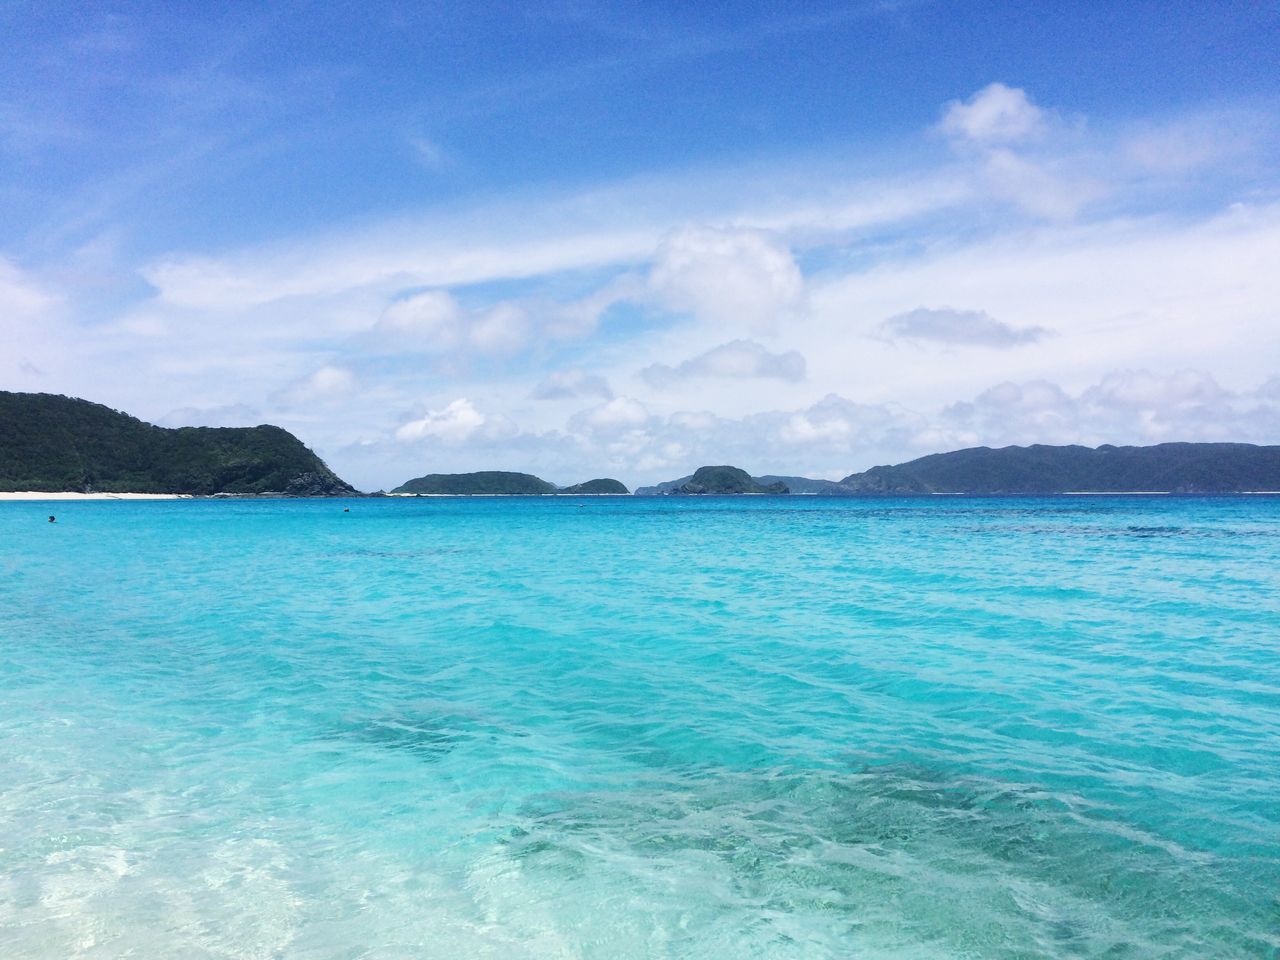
point(605, 728)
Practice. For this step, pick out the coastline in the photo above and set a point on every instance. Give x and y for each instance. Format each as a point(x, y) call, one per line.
point(42, 495)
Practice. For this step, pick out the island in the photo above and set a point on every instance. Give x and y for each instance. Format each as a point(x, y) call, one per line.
point(721, 481)
point(1185, 468)
point(1039, 469)
point(600, 487)
point(57, 444)
point(500, 483)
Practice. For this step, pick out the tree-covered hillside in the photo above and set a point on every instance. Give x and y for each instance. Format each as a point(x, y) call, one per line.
point(725, 480)
point(52, 443)
point(484, 482)
point(501, 483)
point(1165, 467)
point(598, 487)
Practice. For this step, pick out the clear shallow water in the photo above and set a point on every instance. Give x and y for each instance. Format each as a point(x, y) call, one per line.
point(633, 728)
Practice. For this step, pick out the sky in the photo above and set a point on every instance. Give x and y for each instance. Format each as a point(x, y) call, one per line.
point(627, 239)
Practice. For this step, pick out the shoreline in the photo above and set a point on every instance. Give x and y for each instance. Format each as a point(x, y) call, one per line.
point(67, 495)
point(26, 496)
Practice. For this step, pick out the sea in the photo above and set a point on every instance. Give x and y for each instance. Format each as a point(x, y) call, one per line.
point(640, 728)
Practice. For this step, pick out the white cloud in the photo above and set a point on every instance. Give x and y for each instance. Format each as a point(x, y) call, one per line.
point(958, 328)
point(1124, 407)
point(324, 385)
point(738, 359)
point(737, 277)
point(995, 114)
point(454, 424)
point(430, 320)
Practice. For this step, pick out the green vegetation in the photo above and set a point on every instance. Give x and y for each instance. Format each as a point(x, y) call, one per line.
point(1166, 467)
point(53, 443)
point(500, 483)
point(486, 482)
point(596, 487)
point(725, 480)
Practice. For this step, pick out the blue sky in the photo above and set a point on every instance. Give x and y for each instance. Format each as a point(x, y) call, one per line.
point(626, 239)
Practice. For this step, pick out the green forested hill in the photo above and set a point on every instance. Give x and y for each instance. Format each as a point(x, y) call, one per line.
point(484, 482)
point(499, 483)
point(598, 487)
point(725, 480)
point(52, 443)
point(1165, 467)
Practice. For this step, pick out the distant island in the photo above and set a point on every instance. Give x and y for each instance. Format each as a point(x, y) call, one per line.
point(721, 481)
point(1185, 468)
point(602, 486)
point(501, 483)
point(55, 444)
point(725, 484)
point(1040, 469)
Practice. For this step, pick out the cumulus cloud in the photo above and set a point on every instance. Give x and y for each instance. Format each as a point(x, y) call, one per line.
point(565, 384)
point(326, 384)
point(733, 276)
point(836, 435)
point(454, 424)
point(433, 322)
point(738, 359)
point(975, 328)
point(997, 125)
point(430, 321)
point(995, 114)
point(1131, 406)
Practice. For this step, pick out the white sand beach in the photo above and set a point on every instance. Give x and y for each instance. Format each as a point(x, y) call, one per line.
point(41, 495)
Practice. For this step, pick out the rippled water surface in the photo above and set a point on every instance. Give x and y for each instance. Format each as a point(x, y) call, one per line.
point(632, 728)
